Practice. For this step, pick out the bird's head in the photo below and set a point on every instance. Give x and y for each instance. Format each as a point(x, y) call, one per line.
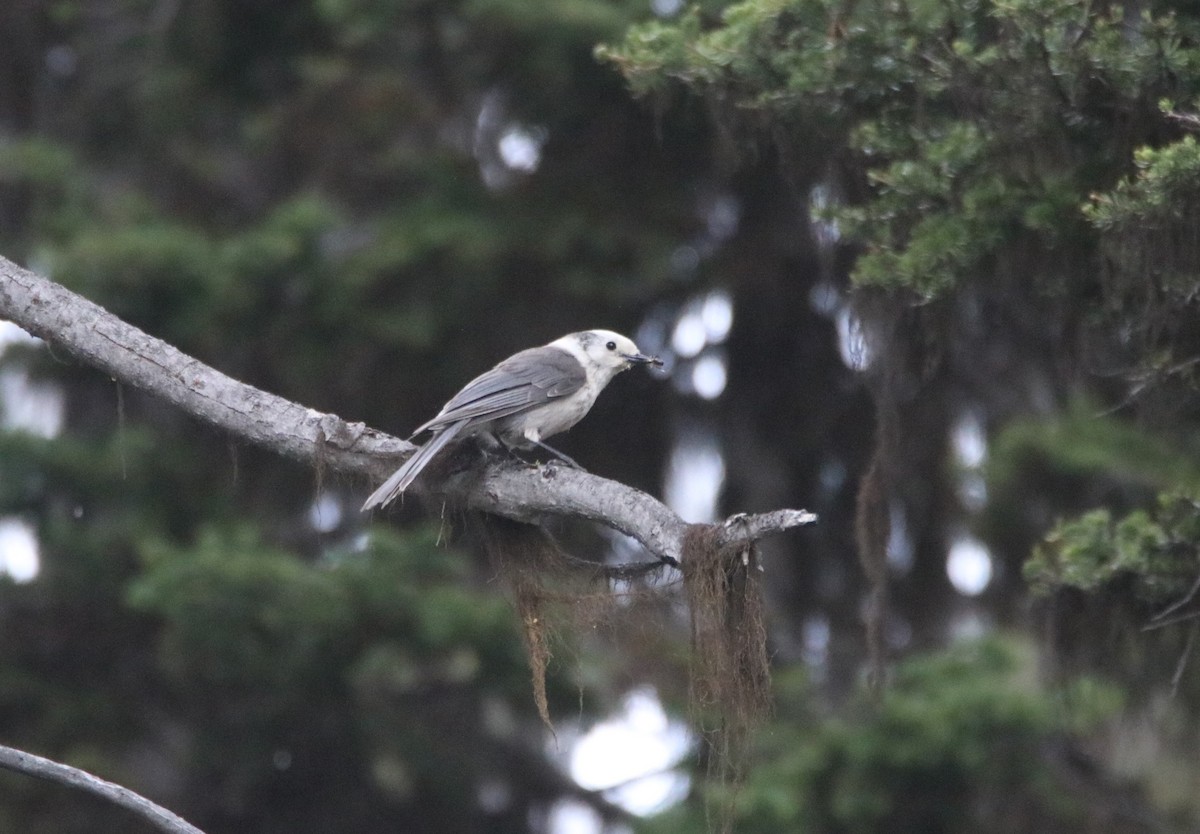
point(606, 352)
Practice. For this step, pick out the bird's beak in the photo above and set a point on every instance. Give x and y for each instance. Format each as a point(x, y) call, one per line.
point(643, 359)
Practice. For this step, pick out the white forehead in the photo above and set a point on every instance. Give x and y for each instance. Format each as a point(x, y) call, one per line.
point(594, 342)
point(603, 337)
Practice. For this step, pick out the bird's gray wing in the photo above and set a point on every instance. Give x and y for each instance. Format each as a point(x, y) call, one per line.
point(523, 381)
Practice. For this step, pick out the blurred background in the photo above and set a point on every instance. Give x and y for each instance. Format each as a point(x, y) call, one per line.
point(927, 269)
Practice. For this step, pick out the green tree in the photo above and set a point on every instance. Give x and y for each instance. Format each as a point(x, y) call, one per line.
point(358, 204)
point(315, 198)
point(1006, 190)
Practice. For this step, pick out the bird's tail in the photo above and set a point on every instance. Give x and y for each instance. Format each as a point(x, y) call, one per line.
point(403, 477)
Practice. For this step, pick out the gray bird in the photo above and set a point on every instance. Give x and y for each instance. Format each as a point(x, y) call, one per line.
point(529, 396)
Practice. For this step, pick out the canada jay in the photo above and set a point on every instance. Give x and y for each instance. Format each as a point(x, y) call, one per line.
point(529, 396)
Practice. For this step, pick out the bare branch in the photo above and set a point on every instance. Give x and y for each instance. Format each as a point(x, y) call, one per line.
point(744, 529)
point(1188, 121)
point(553, 489)
point(73, 777)
point(103, 341)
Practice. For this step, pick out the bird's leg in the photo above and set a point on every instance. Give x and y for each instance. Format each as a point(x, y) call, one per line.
point(568, 460)
point(508, 449)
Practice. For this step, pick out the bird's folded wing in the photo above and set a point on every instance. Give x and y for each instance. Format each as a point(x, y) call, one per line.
point(519, 383)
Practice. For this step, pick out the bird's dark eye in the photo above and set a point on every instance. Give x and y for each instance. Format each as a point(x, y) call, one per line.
point(611, 346)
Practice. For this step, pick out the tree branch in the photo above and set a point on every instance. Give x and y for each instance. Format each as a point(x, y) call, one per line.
point(101, 340)
point(73, 777)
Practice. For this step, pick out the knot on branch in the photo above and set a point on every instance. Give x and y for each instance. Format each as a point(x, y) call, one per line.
point(338, 432)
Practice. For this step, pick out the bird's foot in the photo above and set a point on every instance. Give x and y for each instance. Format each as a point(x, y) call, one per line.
point(562, 458)
point(564, 461)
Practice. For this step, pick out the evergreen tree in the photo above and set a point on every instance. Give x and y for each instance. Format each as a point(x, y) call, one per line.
point(930, 219)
